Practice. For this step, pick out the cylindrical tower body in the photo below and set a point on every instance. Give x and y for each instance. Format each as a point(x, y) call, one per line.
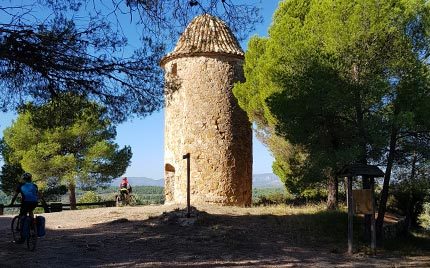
point(202, 118)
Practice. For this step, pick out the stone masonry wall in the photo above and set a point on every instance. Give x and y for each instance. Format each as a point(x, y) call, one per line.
point(202, 118)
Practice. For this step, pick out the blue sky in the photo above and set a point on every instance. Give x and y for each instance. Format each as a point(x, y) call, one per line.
point(146, 135)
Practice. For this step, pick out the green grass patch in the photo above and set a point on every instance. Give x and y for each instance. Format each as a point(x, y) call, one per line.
point(269, 196)
point(414, 243)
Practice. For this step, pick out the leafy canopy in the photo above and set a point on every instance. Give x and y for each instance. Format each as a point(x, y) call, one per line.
point(73, 150)
point(334, 77)
point(48, 48)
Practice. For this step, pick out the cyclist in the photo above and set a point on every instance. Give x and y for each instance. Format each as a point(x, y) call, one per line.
point(29, 194)
point(124, 188)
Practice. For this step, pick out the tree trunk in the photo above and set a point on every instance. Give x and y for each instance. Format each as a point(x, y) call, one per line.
point(359, 114)
point(345, 187)
point(411, 219)
point(362, 141)
point(72, 196)
point(332, 193)
point(367, 217)
point(384, 193)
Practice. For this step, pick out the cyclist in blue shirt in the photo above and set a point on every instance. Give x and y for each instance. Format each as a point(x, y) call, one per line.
point(29, 193)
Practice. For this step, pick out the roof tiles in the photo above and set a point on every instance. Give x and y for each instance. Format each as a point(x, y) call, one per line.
point(206, 34)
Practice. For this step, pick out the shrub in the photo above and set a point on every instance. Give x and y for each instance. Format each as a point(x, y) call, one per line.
point(4, 199)
point(270, 196)
point(53, 192)
point(316, 195)
point(424, 218)
point(409, 197)
point(89, 197)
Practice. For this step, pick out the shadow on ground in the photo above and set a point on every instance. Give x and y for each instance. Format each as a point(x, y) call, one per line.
point(205, 240)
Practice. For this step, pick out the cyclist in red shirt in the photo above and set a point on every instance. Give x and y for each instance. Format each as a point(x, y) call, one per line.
point(124, 188)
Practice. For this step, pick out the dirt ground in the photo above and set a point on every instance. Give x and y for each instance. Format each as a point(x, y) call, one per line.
point(212, 237)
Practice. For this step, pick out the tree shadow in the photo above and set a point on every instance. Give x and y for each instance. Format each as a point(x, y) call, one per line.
point(204, 240)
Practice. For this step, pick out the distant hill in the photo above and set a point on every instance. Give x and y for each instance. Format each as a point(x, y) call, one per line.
point(264, 180)
point(140, 181)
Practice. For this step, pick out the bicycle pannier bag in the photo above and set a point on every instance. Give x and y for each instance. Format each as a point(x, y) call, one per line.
point(40, 223)
point(25, 223)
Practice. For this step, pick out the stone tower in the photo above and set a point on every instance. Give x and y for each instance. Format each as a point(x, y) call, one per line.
point(202, 118)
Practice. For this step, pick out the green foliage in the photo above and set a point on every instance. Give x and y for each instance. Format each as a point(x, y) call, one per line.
point(10, 177)
point(90, 197)
point(53, 190)
point(424, 218)
point(52, 47)
point(77, 149)
point(338, 81)
point(289, 162)
point(269, 196)
point(4, 199)
point(413, 243)
point(409, 198)
point(313, 225)
point(145, 195)
point(313, 194)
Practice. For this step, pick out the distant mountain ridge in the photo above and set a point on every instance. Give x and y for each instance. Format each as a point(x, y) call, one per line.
point(264, 180)
point(139, 181)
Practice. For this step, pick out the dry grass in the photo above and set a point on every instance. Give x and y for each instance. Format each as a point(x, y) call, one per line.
point(156, 236)
point(278, 210)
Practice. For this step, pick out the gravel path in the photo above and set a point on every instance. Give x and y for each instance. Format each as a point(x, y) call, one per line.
point(145, 237)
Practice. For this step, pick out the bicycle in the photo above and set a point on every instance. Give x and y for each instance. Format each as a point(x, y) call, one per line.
point(24, 229)
point(125, 199)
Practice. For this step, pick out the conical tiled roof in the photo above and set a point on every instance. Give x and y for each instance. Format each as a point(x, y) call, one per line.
point(204, 35)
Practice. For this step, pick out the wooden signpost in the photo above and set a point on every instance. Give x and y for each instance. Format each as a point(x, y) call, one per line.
point(187, 156)
point(361, 201)
point(350, 215)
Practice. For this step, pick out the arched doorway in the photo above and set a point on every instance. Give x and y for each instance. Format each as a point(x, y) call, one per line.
point(169, 181)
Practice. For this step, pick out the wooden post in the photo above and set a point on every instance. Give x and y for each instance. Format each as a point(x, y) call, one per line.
point(367, 215)
point(337, 192)
point(1, 209)
point(350, 215)
point(373, 229)
point(187, 156)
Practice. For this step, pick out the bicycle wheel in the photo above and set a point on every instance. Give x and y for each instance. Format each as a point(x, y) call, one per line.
point(118, 200)
point(132, 201)
point(32, 238)
point(16, 228)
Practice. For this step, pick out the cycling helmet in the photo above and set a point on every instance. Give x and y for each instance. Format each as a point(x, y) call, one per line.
point(26, 176)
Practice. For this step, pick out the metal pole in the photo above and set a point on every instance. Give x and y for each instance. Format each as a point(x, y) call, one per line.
point(373, 229)
point(350, 215)
point(187, 156)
